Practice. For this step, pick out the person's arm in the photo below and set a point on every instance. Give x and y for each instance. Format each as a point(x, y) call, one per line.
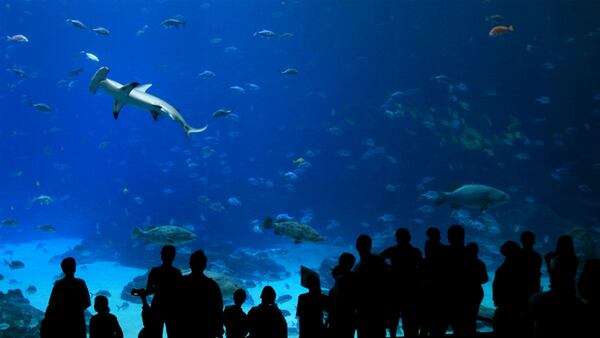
point(86, 302)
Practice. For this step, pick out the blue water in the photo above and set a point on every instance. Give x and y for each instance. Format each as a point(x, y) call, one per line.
point(107, 176)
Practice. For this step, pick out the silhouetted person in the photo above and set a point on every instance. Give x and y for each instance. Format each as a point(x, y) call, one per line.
point(406, 284)
point(266, 320)
point(371, 291)
point(69, 298)
point(479, 276)
point(104, 324)
point(234, 318)
point(342, 317)
point(163, 282)
point(558, 312)
point(457, 281)
point(201, 303)
point(532, 263)
point(434, 319)
point(589, 290)
point(309, 311)
point(510, 293)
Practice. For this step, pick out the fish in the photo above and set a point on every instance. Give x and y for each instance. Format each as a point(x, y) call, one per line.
point(75, 72)
point(46, 228)
point(500, 30)
point(123, 306)
point(222, 112)
point(475, 196)
point(17, 38)
point(136, 95)
point(18, 72)
point(206, 74)
point(41, 107)
point(90, 56)
point(298, 232)
point(265, 33)
point(4, 326)
point(164, 234)
point(299, 160)
point(289, 71)
point(284, 299)
point(9, 222)
point(101, 31)
point(173, 23)
point(31, 289)
point(238, 89)
point(14, 265)
point(494, 18)
point(234, 201)
point(77, 23)
point(543, 100)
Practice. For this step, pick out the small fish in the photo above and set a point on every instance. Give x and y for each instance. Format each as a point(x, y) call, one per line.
point(46, 228)
point(14, 265)
point(238, 89)
point(265, 33)
point(18, 72)
point(253, 86)
point(231, 50)
point(101, 31)
point(284, 299)
point(289, 71)
point(90, 56)
point(9, 222)
point(123, 306)
point(543, 100)
point(41, 107)
point(233, 201)
point(494, 18)
point(31, 289)
point(299, 160)
point(522, 156)
point(500, 30)
point(17, 38)
point(207, 74)
point(76, 23)
point(222, 112)
point(286, 36)
point(75, 72)
point(4, 326)
point(173, 23)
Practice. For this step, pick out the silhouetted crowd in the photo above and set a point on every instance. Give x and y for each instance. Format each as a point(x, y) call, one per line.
point(429, 294)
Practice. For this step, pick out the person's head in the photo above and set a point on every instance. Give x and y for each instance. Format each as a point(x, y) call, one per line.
point(346, 261)
point(403, 236)
point(433, 234)
point(268, 295)
point(565, 246)
point(527, 239)
point(101, 304)
point(313, 284)
point(472, 249)
point(167, 254)
point(239, 297)
point(363, 245)
point(198, 261)
point(510, 249)
point(68, 266)
point(456, 235)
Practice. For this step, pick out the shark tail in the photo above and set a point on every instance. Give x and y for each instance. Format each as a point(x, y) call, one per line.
point(189, 130)
point(137, 232)
point(100, 75)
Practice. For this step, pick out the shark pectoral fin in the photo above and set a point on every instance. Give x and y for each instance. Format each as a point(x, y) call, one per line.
point(156, 112)
point(117, 108)
point(129, 87)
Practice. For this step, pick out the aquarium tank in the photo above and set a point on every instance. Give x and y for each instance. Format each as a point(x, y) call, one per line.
point(271, 134)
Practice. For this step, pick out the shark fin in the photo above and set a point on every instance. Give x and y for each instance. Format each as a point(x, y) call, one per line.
point(117, 108)
point(156, 112)
point(189, 130)
point(129, 87)
point(144, 87)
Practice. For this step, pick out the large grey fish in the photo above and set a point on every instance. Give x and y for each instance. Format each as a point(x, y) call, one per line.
point(474, 196)
point(165, 234)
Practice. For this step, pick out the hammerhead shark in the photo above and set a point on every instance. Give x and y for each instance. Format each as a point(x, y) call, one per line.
point(135, 94)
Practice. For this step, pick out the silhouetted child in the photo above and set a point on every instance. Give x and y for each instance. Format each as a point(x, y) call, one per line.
point(104, 324)
point(311, 306)
point(234, 317)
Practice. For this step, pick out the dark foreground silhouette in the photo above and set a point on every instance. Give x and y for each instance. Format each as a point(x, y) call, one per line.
point(428, 293)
